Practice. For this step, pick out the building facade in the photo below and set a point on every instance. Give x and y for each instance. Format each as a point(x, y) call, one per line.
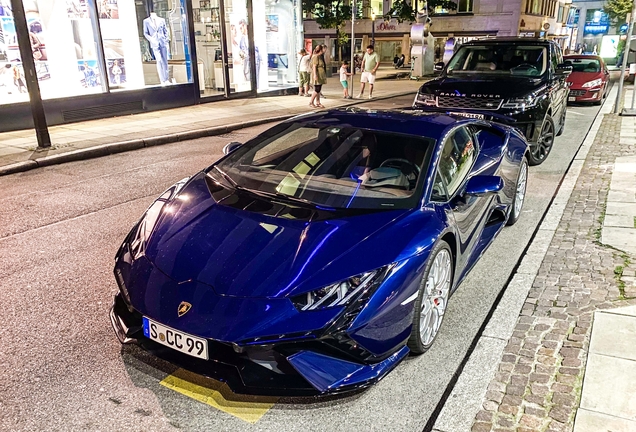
point(593, 26)
point(98, 58)
point(472, 19)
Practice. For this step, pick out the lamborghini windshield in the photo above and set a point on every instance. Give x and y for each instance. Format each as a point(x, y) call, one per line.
point(500, 59)
point(330, 166)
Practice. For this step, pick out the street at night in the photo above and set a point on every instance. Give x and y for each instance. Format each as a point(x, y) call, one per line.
point(64, 369)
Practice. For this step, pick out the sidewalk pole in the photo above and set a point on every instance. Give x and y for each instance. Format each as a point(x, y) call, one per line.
point(30, 74)
point(353, 45)
point(628, 44)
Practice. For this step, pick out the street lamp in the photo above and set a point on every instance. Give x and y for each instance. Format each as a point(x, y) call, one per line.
point(373, 28)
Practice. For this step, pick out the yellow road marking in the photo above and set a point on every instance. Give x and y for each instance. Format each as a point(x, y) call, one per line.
point(218, 395)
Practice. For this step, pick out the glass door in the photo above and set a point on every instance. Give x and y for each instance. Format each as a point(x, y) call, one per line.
point(208, 41)
point(238, 62)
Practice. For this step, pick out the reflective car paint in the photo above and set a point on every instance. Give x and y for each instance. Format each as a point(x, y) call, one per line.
point(577, 79)
point(238, 268)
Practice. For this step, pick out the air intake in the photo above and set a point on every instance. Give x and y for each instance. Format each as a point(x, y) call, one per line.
point(102, 111)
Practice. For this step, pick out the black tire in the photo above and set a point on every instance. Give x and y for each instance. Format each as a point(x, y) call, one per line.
point(539, 152)
point(515, 213)
point(562, 126)
point(415, 342)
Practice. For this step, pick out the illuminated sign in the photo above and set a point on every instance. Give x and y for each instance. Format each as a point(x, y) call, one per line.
point(596, 28)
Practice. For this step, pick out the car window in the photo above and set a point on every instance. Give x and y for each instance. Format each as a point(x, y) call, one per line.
point(501, 59)
point(591, 65)
point(438, 193)
point(554, 59)
point(456, 159)
point(335, 166)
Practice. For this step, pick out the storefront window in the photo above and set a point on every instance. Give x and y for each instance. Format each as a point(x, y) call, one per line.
point(236, 20)
point(207, 36)
point(145, 43)
point(280, 26)
point(62, 39)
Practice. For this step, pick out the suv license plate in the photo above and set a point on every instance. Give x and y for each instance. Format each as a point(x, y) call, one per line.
point(469, 115)
point(175, 339)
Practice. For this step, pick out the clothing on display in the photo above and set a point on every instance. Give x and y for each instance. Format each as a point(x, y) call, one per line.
point(156, 32)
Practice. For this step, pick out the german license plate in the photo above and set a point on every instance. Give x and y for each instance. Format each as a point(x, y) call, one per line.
point(469, 115)
point(175, 339)
point(572, 99)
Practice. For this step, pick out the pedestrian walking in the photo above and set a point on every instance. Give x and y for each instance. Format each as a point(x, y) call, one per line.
point(324, 62)
point(344, 73)
point(318, 77)
point(370, 64)
point(304, 69)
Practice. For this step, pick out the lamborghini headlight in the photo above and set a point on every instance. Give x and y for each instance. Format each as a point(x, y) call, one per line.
point(147, 223)
point(340, 293)
point(425, 99)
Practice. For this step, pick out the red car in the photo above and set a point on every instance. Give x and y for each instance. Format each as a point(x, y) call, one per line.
point(589, 79)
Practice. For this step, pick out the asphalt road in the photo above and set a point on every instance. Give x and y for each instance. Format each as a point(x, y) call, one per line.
point(63, 368)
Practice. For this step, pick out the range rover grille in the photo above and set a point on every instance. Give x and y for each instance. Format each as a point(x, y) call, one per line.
point(469, 103)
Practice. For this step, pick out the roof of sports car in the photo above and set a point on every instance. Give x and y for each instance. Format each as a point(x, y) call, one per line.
point(405, 121)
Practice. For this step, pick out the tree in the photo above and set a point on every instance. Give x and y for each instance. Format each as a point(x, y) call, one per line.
point(403, 11)
point(330, 14)
point(617, 10)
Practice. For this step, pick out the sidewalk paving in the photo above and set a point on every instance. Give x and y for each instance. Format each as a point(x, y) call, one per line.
point(571, 360)
point(82, 140)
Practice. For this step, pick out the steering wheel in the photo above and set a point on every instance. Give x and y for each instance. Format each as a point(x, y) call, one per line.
point(412, 174)
point(525, 66)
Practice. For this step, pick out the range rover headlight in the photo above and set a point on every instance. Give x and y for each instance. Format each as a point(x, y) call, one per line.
point(521, 103)
point(593, 83)
point(341, 293)
point(148, 221)
point(425, 99)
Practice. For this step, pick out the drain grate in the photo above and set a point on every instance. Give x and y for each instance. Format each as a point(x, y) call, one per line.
point(102, 111)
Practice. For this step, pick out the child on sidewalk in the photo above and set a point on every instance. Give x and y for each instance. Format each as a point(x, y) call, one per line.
point(343, 78)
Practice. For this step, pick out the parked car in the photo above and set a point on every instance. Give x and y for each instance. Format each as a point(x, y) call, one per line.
point(316, 256)
point(515, 81)
point(589, 80)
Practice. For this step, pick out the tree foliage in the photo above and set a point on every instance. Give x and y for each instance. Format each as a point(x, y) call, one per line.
point(330, 14)
point(403, 11)
point(617, 10)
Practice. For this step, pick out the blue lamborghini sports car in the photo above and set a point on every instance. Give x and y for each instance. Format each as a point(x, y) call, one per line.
point(316, 256)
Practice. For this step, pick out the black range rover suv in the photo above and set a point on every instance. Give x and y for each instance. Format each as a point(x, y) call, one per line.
point(517, 81)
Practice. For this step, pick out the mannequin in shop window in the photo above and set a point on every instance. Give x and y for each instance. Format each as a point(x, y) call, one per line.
point(156, 32)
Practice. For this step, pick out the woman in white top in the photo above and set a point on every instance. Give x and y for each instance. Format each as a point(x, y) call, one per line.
point(304, 69)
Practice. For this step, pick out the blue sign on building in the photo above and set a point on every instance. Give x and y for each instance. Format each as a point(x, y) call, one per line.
point(596, 22)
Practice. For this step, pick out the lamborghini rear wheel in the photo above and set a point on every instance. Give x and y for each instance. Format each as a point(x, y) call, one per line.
point(431, 302)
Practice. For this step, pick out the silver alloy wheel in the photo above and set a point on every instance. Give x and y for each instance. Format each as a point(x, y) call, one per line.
point(520, 194)
point(435, 297)
point(545, 142)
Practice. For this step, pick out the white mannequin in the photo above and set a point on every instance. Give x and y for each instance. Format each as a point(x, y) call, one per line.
point(156, 33)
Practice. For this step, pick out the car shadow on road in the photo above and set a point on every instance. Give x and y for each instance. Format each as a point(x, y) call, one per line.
point(166, 381)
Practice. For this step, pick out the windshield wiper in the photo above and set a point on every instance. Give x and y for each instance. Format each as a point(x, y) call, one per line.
point(286, 197)
point(263, 194)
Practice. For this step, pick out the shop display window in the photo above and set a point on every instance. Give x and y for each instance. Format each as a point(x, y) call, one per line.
point(145, 43)
point(238, 46)
point(276, 23)
point(206, 15)
point(62, 39)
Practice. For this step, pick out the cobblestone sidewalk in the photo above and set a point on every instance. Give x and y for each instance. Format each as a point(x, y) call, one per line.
point(537, 386)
